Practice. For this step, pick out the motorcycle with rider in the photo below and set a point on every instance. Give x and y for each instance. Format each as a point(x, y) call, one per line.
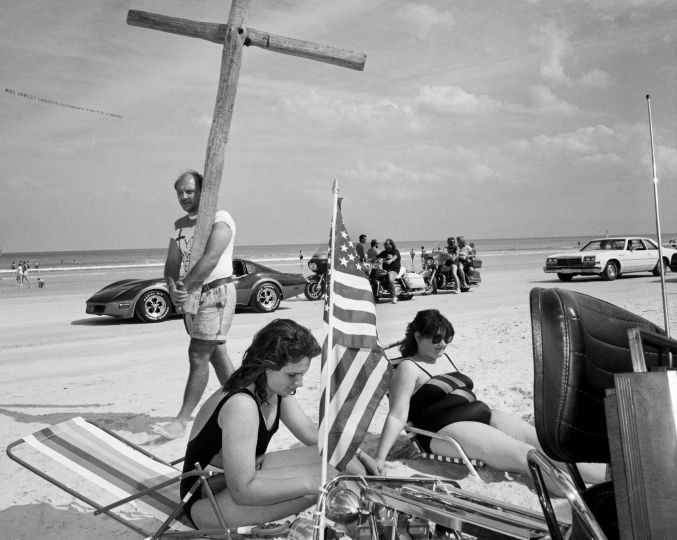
point(455, 270)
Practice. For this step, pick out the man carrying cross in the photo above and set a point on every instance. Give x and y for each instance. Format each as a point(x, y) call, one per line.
point(212, 275)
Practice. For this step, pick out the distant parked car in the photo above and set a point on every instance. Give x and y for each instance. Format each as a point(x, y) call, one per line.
point(609, 258)
point(148, 299)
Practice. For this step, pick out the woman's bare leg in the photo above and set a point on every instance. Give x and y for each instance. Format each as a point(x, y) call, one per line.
point(237, 515)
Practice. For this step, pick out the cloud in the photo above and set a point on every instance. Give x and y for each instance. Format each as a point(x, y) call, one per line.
point(337, 113)
point(423, 19)
point(596, 78)
point(555, 41)
point(544, 100)
point(453, 100)
point(386, 174)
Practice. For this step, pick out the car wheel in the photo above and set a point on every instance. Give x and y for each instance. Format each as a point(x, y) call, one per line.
point(610, 271)
point(657, 269)
point(565, 277)
point(266, 298)
point(153, 306)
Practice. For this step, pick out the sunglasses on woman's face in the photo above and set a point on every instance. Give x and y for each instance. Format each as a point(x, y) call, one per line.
point(439, 338)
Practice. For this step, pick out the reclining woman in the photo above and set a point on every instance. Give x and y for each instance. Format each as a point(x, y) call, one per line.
point(446, 404)
point(232, 430)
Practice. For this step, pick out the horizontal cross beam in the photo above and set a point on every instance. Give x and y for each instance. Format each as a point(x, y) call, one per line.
point(216, 33)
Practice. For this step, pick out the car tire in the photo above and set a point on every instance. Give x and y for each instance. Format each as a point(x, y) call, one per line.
point(565, 277)
point(610, 271)
point(153, 306)
point(313, 290)
point(266, 298)
point(657, 269)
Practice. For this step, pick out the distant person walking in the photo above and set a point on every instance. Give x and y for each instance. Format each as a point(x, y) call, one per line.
point(212, 274)
point(412, 253)
point(300, 255)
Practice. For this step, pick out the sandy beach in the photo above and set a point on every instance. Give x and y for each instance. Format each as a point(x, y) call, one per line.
point(58, 363)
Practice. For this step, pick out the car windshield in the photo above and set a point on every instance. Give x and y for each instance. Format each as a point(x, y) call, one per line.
point(604, 243)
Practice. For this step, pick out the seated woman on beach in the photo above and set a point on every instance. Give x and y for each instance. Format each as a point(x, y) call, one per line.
point(446, 404)
point(234, 426)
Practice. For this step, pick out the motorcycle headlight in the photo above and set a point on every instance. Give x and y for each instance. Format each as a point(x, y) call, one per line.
point(342, 505)
point(312, 266)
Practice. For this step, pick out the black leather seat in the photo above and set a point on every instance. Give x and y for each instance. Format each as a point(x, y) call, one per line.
point(579, 342)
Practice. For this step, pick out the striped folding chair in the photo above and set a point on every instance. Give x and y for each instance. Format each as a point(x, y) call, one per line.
point(119, 478)
point(471, 464)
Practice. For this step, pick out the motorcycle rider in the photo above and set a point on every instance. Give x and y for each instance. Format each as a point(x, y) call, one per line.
point(372, 252)
point(361, 248)
point(465, 256)
point(457, 270)
point(391, 264)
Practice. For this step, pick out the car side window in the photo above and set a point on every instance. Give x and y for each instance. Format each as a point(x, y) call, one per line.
point(238, 268)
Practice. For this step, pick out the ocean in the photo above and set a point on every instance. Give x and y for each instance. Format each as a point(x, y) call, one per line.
point(280, 254)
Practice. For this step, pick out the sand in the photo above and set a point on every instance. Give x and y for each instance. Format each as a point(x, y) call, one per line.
point(58, 363)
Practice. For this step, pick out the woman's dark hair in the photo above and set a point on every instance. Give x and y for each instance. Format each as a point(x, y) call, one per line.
point(277, 344)
point(428, 323)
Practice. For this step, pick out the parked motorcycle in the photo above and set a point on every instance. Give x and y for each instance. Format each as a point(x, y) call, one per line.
point(438, 276)
point(316, 283)
point(407, 284)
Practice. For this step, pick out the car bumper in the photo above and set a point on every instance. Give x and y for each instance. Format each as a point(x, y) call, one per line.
point(593, 270)
point(124, 310)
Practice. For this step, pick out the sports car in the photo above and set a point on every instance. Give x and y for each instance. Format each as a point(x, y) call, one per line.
point(609, 258)
point(148, 299)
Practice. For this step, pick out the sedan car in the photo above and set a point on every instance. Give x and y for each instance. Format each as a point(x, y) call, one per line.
point(609, 258)
point(148, 299)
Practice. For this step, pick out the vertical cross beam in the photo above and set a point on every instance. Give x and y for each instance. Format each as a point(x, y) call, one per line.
point(231, 60)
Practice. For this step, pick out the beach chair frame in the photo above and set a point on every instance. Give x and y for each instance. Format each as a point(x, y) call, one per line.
point(163, 531)
point(472, 464)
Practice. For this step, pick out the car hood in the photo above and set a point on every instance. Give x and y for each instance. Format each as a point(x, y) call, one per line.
point(578, 254)
point(125, 289)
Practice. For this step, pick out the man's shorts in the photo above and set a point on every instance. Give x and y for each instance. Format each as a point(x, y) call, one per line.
point(214, 315)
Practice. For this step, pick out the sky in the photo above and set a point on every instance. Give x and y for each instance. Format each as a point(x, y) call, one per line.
point(492, 119)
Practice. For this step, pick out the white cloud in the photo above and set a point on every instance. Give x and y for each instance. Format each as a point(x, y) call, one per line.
point(335, 113)
point(385, 173)
point(545, 101)
point(453, 100)
point(424, 18)
point(555, 41)
point(596, 78)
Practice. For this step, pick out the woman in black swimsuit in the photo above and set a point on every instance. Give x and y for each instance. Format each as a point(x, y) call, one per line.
point(447, 405)
point(234, 426)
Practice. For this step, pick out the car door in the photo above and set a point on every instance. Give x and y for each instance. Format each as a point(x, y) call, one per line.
point(636, 256)
point(651, 254)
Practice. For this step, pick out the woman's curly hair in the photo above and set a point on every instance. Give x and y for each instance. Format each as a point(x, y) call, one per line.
point(429, 323)
point(277, 344)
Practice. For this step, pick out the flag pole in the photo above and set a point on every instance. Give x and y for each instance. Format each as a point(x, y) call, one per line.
point(658, 226)
point(319, 532)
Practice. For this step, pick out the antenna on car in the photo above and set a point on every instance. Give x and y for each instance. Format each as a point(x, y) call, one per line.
point(661, 266)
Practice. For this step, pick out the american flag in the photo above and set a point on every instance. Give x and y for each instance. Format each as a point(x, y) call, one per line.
point(358, 369)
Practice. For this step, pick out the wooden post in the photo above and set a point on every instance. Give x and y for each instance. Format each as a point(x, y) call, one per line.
point(234, 36)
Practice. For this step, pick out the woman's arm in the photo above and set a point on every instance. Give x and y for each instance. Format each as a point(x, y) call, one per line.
point(239, 421)
point(298, 422)
point(402, 386)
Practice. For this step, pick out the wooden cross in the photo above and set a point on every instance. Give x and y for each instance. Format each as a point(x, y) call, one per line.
point(233, 35)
